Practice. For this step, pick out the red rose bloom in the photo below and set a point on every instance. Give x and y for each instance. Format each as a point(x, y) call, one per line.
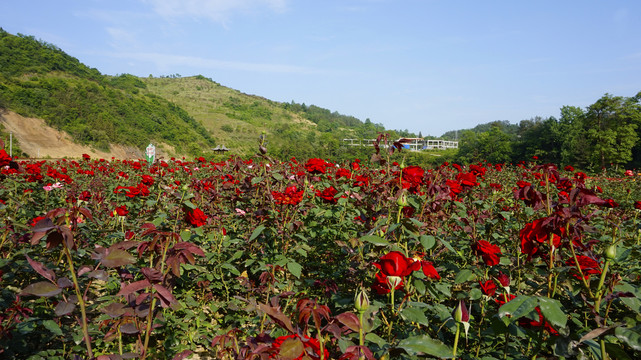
point(588, 265)
point(121, 210)
point(488, 288)
point(637, 205)
point(533, 235)
point(382, 286)
point(5, 159)
point(503, 279)
point(396, 264)
point(328, 195)
point(490, 253)
point(195, 217)
point(315, 166)
point(147, 180)
point(429, 270)
point(412, 177)
point(291, 196)
point(467, 179)
point(340, 173)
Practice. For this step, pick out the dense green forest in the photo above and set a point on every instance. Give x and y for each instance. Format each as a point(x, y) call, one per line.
point(604, 135)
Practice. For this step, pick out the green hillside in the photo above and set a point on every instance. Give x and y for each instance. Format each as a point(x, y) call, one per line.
point(39, 80)
point(184, 115)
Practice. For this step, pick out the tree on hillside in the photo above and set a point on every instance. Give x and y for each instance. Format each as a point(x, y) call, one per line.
point(493, 145)
point(574, 141)
point(611, 125)
point(539, 137)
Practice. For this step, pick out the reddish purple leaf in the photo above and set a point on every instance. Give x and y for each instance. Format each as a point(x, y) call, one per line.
point(134, 286)
point(43, 226)
point(192, 248)
point(182, 355)
point(42, 269)
point(166, 297)
point(64, 308)
point(278, 317)
point(350, 320)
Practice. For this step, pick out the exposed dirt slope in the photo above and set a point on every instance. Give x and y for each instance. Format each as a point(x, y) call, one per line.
point(41, 141)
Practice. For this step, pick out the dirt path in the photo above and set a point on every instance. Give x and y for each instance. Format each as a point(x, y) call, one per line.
point(38, 140)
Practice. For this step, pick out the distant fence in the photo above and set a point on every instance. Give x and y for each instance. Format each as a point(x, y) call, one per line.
point(415, 144)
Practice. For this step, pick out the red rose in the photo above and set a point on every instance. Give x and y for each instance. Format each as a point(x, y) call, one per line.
point(5, 159)
point(315, 166)
point(396, 264)
point(429, 270)
point(488, 288)
point(382, 286)
point(534, 234)
point(328, 195)
point(637, 205)
point(343, 173)
point(291, 196)
point(412, 177)
point(490, 253)
point(588, 265)
point(147, 180)
point(503, 279)
point(195, 217)
point(121, 210)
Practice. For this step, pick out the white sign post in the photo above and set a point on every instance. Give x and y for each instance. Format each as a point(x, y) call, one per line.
point(151, 154)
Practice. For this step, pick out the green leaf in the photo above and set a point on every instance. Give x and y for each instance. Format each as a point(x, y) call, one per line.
point(449, 246)
point(464, 276)
point(231, 268)
point(630, 336)
point(428, 241)
point(189, 204)
point(423, 344)
point(256, 232)
point(415, 315)
point(517, 308)
point(376, 240)
point(551, 310)
point(616, 352)
point(53, 327)
point(375, 339)
point(420, 286)
point(256, 180)
point(294, 268)
point(278, 176)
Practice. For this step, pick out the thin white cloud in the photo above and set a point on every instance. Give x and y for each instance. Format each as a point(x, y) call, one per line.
point(169, 61)
point(216, 10)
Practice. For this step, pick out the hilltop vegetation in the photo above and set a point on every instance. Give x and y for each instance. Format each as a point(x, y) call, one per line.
point(39, 80)
point(188, 115)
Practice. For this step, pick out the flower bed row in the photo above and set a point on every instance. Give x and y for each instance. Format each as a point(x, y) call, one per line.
point(246, 259)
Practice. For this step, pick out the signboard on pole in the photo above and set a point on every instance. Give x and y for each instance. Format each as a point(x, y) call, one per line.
point(151, 154)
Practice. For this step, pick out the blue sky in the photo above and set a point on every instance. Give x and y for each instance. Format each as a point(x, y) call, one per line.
point(428, 66)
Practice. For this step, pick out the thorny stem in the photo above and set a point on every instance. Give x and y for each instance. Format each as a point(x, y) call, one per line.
point(153, 301)
point(81, 302)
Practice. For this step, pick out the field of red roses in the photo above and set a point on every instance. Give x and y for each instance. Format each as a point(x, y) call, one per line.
point(261, 259)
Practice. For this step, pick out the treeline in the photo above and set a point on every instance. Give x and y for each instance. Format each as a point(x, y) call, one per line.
point(38, 79)
point(605, 134)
